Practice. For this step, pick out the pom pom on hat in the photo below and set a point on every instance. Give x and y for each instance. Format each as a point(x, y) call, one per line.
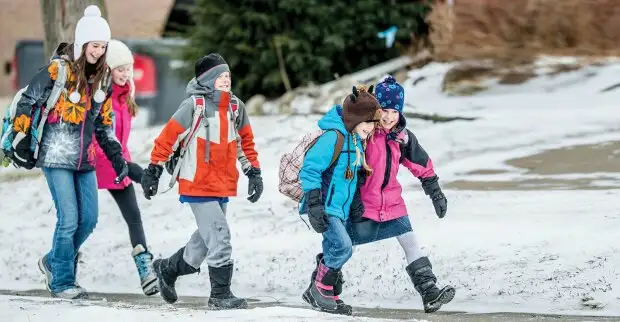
point(92, 11)
point(91, 27)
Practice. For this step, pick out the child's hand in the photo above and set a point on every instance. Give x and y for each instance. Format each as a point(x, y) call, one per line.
point(440, 203)
point(316, 211)
point(255, 184)
point(150, 180)
point(432, 189)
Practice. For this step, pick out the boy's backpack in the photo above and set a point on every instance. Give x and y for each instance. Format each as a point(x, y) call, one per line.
point(291, 163)
point(38, 118)
point(173, 165)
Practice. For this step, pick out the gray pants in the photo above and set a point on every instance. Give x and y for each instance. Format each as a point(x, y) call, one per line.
point(211, 241)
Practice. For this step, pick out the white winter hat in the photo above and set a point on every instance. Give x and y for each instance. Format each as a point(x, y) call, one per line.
point(91, 27)
point(118, 54)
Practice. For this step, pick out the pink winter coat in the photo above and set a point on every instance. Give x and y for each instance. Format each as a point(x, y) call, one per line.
point(381, 194)
point(122, 121)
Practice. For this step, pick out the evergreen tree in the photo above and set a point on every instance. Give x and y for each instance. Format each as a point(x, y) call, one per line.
point(316, 39)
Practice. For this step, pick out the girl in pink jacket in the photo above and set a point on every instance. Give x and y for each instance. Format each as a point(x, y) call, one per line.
point(379, 210)
point(120, 60)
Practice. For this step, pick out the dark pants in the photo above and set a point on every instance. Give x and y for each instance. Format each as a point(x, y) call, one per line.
point(128, 204)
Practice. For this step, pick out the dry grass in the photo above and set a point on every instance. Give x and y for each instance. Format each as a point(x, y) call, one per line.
point(508, 30)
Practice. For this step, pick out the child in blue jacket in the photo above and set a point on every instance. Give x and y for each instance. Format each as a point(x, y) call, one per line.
point(329, 189)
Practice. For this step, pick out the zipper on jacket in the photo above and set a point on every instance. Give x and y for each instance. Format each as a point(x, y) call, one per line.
point(388, 164)
point(82, 141)
point(349, 188)
point(331, 195)
point(386, 175)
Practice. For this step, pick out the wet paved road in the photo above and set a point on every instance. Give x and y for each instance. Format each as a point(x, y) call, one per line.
point(195, 302)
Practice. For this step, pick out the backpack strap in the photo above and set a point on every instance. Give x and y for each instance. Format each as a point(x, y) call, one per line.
point(199, 106)
point(338, 147)
point(59, 86)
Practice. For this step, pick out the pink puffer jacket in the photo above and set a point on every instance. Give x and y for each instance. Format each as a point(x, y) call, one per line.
point(122, 125)
point(382, 193)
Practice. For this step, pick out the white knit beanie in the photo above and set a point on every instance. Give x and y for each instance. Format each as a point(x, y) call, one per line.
point(91, 27)
point(118, 55)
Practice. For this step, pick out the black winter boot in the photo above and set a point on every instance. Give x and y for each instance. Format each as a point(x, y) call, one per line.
point(321, 293)
point(343, 308)
point(421, 274)
point(168, 270)
point(221, 297)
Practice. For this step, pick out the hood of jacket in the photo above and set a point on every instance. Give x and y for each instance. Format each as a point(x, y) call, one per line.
point(332, 120)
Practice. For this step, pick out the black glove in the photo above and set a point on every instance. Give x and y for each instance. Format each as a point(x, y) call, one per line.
point(316, 211)
point(120, 167)
point(135, 172)
point(22, 155)
point(432, 189)
point(150, 180)
point(255, 184)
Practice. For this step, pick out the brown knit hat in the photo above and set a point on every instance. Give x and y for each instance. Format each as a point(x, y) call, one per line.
point(360, 106)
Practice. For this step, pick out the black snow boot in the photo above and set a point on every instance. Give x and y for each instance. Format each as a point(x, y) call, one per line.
point(342, 308)
point(168, 270)
point(221, 297)
point(421, 273)
point(321, 293)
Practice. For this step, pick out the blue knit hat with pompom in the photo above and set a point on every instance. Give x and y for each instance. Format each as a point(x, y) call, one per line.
point(390, 94)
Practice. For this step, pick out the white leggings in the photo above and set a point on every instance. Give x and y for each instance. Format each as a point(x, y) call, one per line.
point(410, 245)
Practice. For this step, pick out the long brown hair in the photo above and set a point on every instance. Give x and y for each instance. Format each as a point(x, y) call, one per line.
point(132, 105)
point(78, 68)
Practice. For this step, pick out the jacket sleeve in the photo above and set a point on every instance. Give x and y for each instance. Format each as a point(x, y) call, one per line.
point(316, 161)
point(34, 95)
point(245, 148)
point(178, 124)
point(104, 132)
point(415, 158)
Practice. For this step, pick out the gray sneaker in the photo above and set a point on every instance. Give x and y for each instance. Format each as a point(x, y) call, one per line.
point(46, 271)
point(73, 293)
point(78, 257)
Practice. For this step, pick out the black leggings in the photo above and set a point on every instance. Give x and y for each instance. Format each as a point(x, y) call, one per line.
point(128, 204)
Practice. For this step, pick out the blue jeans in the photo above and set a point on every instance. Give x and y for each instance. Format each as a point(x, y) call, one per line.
point(368, 231)
point(75, 198)
point(337, 246)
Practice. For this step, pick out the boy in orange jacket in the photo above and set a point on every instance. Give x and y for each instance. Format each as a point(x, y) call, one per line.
point(215, 128)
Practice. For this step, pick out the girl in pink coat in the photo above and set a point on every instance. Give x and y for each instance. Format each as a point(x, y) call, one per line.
point(120, 60)
point(379, 210)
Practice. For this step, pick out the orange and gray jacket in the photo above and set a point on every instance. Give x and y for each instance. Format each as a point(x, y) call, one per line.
point(208, 168)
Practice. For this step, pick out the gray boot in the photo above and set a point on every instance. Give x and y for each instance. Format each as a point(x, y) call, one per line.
point(321, 293)
point(421, 274)
point(342, 308)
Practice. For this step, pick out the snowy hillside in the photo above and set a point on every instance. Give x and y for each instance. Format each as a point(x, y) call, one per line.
point(516, 238)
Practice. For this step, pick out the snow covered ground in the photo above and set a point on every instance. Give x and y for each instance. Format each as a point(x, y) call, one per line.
point(518, 251)
point(17, 309)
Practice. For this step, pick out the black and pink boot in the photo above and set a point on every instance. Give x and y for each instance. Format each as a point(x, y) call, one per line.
point(321, 292)
point(342, 308)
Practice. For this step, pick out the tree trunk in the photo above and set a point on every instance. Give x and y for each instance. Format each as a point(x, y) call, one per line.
point(60, 18)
